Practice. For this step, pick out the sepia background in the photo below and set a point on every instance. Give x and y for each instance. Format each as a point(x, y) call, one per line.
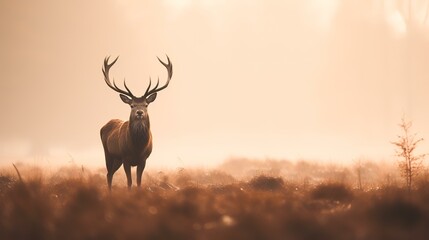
point(324, 80)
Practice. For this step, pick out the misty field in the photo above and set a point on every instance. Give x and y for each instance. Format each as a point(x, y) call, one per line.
point(241, 199)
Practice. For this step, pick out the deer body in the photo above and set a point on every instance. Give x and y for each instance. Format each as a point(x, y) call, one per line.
point(118, 143)
point(129, 143)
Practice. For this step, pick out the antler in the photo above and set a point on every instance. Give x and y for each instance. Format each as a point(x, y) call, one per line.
point(105, 70)
point(169, 67)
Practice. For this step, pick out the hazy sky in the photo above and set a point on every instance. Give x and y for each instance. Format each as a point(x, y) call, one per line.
point(322, 80)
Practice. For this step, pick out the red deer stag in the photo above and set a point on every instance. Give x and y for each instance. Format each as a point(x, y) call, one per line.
point(129, 143)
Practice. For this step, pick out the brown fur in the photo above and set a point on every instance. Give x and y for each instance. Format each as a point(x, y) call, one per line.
point(120, 148)
point(129, 143)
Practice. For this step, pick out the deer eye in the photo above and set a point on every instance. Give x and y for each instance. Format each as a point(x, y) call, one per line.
point(132, 106)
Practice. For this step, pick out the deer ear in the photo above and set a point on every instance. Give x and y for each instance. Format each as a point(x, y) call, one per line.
point(151, 98)
point(125, 99)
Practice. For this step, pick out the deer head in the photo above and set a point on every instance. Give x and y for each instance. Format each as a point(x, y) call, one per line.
point(138, 104)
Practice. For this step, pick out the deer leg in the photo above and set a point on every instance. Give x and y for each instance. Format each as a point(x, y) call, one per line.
point(140, 169)
point(109, 180)
point(127, 168)
point(109, 163)
point(112, 167)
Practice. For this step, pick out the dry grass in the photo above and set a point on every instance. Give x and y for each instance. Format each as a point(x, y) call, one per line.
point(73, 203)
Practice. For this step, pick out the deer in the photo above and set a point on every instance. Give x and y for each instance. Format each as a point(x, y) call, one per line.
point(129, 143)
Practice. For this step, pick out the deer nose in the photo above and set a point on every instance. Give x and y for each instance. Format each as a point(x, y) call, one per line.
point(139, 112)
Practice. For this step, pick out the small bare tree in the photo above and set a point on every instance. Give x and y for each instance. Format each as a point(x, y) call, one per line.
point(410, 164)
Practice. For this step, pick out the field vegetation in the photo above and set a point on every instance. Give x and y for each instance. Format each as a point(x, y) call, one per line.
point(241, 199)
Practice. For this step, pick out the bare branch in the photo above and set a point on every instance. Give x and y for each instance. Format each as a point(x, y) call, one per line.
point(409, 164)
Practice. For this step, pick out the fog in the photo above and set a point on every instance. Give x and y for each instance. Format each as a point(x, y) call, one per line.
point(324, 80)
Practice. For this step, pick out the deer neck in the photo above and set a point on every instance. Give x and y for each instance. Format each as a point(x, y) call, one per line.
point(139, 130)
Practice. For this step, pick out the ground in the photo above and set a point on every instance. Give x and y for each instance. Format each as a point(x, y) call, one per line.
point(74, 203)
